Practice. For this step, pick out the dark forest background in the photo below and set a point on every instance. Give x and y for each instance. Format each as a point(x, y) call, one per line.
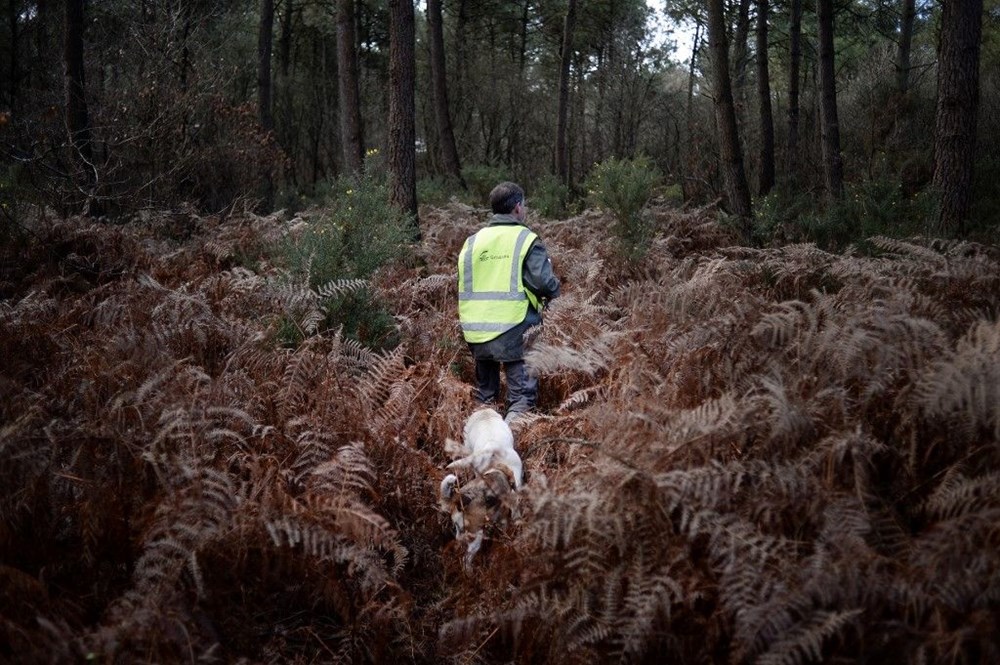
point(829, 120)
point(769, 417)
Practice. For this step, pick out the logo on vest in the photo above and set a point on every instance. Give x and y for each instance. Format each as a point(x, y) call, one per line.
point(485, 255)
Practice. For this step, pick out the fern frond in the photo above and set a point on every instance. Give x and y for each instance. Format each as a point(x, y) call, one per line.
point(908, 249)
point(298, 378)
point(338, 288)
point(778, 327)
point(350, 471)
point(314, 446)
point(964, 387)
point(384, 391)
point(596, 355)
point(647, 605)
point(300, 304)
point(195, 514)
point(805, 644)
point(957, 495)
point(356, 356)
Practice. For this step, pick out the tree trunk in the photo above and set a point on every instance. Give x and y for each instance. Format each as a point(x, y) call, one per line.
point(695, 45)
point(185, 12)
point(833, 165)
point(957, 108)
point(285, 44)
point(516, 144)
point(264, 42)
point(730, 153)
point(41, 73)
point(13, 67)
point(562, 147)
point(461, 59)
point(439, 83)
point(766, 175)
point(689, 113)
point(600, 105)
point(77, 120)
point(795, 59)
point(351, 131)
point(402, 125)
point(905, 41)
point(740, 58)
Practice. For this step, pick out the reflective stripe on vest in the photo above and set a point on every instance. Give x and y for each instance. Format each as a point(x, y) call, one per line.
point(491, 294)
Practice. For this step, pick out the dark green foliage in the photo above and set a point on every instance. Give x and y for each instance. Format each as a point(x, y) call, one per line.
point(352, 235)
point(481, 179)
point(550, 198)
point(623, 187)
point(875, 207)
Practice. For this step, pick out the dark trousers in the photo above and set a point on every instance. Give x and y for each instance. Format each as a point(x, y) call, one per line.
point(522, 388)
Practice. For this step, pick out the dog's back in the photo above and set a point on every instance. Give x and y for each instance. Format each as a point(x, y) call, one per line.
point(489, 443)
point(487, 498)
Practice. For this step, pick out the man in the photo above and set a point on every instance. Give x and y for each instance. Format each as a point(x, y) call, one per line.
point(504, 279)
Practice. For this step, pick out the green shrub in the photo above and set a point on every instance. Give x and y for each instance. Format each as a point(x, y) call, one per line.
point(673, 194)
point(435, 190)
point(623, 187)
point(778, 217)
point(549, 197)
point(362, 317)
point(481, 179)
point(872, 207)
point(356, 232)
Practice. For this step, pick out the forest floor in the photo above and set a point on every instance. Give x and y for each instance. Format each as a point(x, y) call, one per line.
point(740, 454)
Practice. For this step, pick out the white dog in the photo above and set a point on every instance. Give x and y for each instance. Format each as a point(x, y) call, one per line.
point(487, 451)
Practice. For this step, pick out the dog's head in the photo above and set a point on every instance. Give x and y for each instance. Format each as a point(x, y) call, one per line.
point(474, 506)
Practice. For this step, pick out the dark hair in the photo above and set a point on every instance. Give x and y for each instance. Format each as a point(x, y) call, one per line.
point(505, 197)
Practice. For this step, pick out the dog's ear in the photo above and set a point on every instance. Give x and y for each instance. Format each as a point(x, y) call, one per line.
point(499, 479)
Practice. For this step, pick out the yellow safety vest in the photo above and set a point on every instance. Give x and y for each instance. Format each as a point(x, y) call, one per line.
point(491, 294)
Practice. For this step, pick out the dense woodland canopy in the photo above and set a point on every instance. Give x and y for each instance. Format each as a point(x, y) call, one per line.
point(112, 107)
point(769, 419)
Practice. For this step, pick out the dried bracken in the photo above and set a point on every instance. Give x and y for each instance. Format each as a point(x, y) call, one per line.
point(742, 455)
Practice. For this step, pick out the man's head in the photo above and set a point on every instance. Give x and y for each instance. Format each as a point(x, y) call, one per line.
point(507, 198)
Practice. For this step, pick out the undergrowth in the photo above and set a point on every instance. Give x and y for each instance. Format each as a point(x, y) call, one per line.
point(743, 455)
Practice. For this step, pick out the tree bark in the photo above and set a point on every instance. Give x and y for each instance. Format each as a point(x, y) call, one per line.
point(795, 60)
point(739, 46)
point(283, 88)
point(185, 64)
point(730, 153)
point(461, 57)
point(905, 42)
point(42, 72)
point(562, 147)
point(695, 45)
point(766, 175)
point(264, 43)
point(77, 119)
point(351, 130)
point(439, 83)
point(285, 43)
point(833, 165)
point(689, 112)
point(13, 74)
point(402, 110)
point(957, 109)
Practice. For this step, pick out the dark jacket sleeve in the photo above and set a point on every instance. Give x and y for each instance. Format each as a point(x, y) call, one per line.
point(537, 272)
